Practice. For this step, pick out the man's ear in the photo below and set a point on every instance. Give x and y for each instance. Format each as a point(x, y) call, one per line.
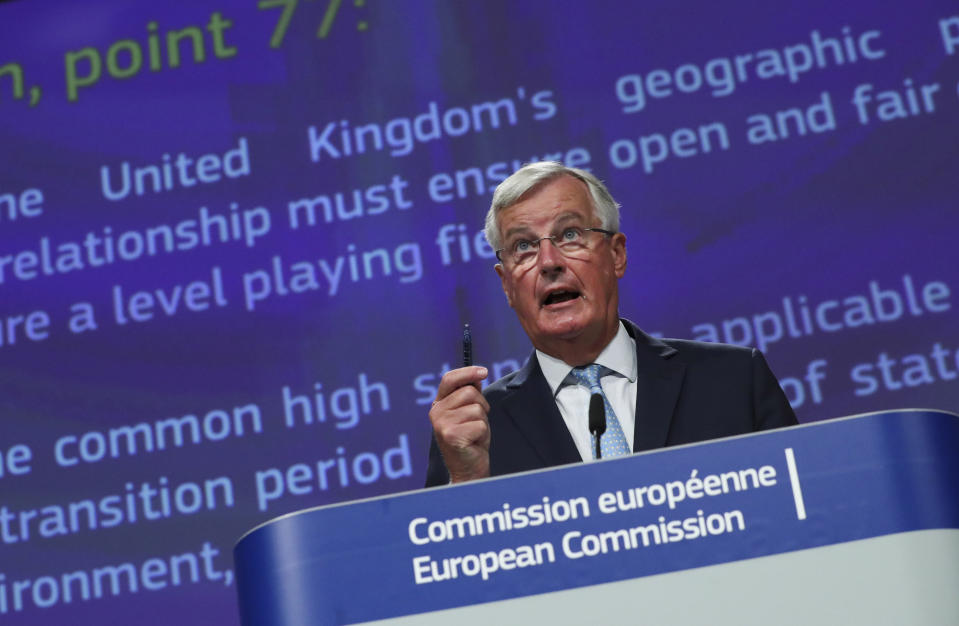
point(502, 278)
point(617, 246)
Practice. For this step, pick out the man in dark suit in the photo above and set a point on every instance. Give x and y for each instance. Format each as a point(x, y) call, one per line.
point(555, 230)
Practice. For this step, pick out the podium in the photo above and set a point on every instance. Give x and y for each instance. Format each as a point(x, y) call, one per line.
point(847, 521)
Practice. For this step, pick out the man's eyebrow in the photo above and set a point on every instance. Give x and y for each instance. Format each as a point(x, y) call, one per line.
point(569, 216)
point(563, 218)
point(517, 230)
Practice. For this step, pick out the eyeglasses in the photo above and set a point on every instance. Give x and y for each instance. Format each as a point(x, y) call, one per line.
point(571, 242)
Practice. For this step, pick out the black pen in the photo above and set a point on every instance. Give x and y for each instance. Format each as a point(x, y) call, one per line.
point(467, 346)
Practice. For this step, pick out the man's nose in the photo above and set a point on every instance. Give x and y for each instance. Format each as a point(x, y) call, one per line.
point(550, 259)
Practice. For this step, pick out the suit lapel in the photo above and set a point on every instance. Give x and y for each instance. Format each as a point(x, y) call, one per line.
point(658, 383)
point(532, 408)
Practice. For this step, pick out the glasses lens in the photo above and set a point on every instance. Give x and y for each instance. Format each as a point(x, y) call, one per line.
point(571, 241)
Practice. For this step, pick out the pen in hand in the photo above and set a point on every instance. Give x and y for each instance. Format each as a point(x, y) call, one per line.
point(467, 346)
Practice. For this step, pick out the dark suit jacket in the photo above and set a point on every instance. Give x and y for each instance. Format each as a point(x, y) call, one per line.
point(687, 391)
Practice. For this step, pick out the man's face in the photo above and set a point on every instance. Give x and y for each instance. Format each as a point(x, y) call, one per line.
point(566, 304)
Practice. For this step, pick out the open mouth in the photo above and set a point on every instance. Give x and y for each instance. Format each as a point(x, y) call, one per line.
point(560, 296)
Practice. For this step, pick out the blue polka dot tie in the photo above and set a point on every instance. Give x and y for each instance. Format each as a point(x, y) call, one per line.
point(613, 442)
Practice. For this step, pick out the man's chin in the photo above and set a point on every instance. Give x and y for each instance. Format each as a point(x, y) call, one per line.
point(561, 328)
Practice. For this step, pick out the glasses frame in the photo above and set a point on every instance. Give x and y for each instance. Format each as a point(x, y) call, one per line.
point(552, 238)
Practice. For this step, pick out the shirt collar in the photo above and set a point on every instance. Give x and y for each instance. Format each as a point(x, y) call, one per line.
point(619, 355)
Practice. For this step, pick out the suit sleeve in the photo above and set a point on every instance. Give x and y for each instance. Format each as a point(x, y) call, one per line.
point(771, 409)
point(436, 472)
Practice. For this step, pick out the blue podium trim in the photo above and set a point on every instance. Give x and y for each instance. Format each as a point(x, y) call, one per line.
point(661, 511)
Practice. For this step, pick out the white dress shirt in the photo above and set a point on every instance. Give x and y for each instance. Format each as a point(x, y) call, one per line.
point(618, 382)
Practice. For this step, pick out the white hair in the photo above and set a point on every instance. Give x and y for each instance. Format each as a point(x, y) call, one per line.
point(533, 175)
